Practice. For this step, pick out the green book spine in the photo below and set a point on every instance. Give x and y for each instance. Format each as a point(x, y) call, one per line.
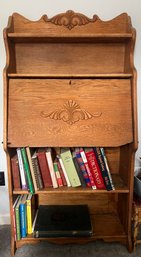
point(17, 216)
point(70, 168)
point(27, 170)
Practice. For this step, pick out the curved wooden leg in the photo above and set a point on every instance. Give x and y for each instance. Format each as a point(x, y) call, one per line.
point(13, 246)
point(129, 244)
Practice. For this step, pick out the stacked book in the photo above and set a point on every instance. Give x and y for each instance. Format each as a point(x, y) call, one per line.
point(62, 221)
point(43, 168)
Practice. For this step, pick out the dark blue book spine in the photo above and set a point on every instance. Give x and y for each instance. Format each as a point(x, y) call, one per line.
point(83, 169)
point(79, 172)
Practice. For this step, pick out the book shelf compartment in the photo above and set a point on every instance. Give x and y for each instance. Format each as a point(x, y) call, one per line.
point(120, 187)
point(110, 228)
point(120, 182)
point(114, 58)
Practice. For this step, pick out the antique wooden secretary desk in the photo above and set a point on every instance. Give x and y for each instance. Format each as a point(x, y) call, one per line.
point(85, 66)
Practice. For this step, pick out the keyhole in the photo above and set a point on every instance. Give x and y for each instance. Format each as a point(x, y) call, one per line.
point(70, 82)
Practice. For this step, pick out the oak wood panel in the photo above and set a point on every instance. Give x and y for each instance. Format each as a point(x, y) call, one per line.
point(70, 58)
point(46, 110)
point(98, 203)
point(30, 240)
point(64, 23)
point(113, 158)
point(61, 38)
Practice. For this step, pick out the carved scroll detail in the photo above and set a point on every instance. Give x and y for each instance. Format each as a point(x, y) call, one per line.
point(70, 19)
point(70, 113)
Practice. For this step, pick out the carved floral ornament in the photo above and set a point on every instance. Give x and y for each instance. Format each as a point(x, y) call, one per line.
point(70, 113)
point(70, 19)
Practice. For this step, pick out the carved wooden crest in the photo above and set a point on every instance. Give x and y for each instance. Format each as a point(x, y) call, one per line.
point(70, 19)
point(70, 113)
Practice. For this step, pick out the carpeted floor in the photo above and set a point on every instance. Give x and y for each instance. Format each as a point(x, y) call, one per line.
point(95, 249)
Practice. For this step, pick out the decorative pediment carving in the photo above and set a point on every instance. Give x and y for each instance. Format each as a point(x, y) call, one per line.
point(70, 19)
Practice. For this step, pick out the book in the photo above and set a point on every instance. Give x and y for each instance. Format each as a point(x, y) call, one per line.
point(103, 169)
point(57, 173)
point(22, 210)
point(94, 167)
point(49, 155)
point(82, 167)
point(107, 167)
point(69, 167)
point(17, 218)
point(32, 170)
point(63, 221)
point(37, 171)
point(21, 167)
point(14, 217)
point(85, 161)
point(64, 171)
point(31, 207)
point(27, 170)
point(79, 172)
point(61, 173)
point(34, 221)
point(45, 173)
point(29, 214)
point(15, 173)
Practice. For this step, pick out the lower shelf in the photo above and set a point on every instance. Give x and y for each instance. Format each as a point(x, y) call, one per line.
point(105, 226)
point(119, 184)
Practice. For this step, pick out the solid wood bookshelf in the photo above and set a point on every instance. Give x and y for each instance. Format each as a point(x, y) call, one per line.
point(81, 65)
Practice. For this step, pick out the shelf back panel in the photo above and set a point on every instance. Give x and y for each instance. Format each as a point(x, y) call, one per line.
point(77, 112)
point(98, 203)
point(70, 58)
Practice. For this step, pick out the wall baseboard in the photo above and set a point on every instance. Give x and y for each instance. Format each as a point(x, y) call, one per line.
point(4, 219)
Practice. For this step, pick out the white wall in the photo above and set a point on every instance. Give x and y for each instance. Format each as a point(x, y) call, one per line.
point(105, 9)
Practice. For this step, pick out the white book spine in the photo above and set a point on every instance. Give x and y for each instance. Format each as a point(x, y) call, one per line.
point(84, 158)
point(51, 169)
point(34, 222)
point(21, 166)
point(65, 173)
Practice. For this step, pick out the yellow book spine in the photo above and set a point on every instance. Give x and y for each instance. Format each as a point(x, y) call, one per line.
point(29, 217)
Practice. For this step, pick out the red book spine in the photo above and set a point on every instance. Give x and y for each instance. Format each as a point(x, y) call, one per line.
point(61, 173)
point(95, 169)
point(15, 173)
point(44, 169)
point(57, 174)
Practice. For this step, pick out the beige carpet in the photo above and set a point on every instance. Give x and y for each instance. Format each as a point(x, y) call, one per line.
point(95, 249)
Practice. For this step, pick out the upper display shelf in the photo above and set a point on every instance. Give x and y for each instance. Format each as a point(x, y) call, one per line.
point(89, 38)
point(69, 24)
point(70, 45)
